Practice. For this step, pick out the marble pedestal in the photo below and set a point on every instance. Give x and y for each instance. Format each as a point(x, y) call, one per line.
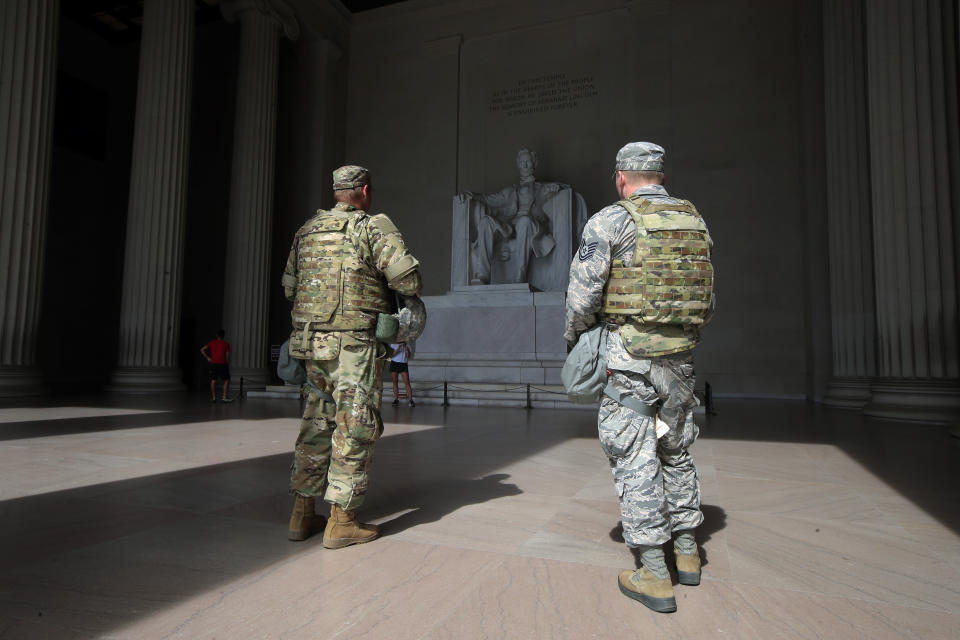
point(17, 382)
point(146, 380)
point(488, 342)
point(848, 392)
point(916, 400)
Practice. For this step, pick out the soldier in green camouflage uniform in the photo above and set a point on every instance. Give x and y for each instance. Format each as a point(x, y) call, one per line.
point(649, 360)
point(343, 268)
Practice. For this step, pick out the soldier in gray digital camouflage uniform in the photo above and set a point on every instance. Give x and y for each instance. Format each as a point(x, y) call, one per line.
point(344, 268)
point(643, 268)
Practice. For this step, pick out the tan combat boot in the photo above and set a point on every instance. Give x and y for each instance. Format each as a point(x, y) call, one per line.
point(647, 589)
point(688, 568)
point(343, 529)
point(303, 521)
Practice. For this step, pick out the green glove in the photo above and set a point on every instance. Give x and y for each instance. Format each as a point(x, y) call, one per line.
point(387, 327)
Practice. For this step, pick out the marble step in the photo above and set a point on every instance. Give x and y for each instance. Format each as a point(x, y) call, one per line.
point(486, 395)
point(462, 394)
point(278, 391)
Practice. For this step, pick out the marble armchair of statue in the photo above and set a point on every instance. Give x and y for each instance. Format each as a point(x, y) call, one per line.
point(498, 241)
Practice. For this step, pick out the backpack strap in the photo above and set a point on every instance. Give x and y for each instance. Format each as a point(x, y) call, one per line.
point(636, 212)
point(323, 394)
point(635, 404)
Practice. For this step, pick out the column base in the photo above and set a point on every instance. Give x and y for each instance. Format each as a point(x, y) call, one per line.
point(253, 379)
point(21, 381)
point(848, 392)
point(915, 399)
point(141, 380)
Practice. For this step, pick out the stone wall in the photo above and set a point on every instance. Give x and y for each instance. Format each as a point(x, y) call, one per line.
point(442, 94)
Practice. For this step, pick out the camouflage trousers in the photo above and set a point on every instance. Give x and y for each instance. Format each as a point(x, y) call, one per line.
point(334, 451)
point(655, 479)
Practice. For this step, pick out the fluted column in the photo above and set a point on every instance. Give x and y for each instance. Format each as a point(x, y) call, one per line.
point(28, 62)
point(848, 206)
point(914, 156)
point(153, 260)
point(248, 276)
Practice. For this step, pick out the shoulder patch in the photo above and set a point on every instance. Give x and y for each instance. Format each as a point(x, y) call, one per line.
point(383, 224)
point(586, 250)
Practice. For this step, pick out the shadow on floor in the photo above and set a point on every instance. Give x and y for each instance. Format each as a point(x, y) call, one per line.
point(919, 461)
point(152, 541)
point(157, 412)
point(455, 494)
point(148, 542)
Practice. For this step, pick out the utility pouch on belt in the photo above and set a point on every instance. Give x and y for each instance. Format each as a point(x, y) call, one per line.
point(387, 327)
point(292, 371)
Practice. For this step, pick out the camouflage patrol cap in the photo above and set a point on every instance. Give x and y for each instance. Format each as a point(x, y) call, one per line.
point(350, 177)
point(640, 156)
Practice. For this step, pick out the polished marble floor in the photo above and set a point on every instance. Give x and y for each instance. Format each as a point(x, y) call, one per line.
point(167, 519)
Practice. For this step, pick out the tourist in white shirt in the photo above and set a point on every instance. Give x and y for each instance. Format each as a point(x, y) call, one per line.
point(398, 368)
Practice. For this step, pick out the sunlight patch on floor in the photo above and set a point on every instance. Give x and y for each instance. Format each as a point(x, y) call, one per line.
point(36, 414)
point(45, 464)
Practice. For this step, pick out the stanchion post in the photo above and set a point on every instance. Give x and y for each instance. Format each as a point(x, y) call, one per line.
point(241, 388)
point(529, 406)
point(445, 403)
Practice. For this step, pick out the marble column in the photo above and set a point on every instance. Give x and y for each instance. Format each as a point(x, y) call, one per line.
point(28, 63)
point(848, 206)
point(319, 147)
point(914, 159)
point(153, 260)
point(248, 273)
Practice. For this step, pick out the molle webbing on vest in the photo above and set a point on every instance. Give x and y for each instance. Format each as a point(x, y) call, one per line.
point(361, 290)
point(337, 288)
point(671, 281)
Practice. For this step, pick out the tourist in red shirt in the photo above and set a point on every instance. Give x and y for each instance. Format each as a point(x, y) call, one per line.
point(217, 353)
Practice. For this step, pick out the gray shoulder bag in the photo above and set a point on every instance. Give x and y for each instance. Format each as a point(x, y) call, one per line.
point(584, 373)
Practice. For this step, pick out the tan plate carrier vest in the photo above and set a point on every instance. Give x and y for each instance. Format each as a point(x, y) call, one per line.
point(337, 290)
point(671, 280)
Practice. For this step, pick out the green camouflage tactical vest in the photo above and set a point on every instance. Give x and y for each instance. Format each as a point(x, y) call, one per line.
point(661, 301)
point(337, 290)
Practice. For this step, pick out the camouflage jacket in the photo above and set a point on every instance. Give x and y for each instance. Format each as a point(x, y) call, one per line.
point(609, 235)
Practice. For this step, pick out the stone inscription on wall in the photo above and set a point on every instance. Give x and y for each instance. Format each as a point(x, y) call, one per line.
point(554, 92)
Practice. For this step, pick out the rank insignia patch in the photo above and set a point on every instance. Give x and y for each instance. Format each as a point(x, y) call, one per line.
point(586, 250)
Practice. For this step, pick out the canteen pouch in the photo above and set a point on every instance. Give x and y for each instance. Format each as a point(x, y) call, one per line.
point(292, 371)
point(387, 327)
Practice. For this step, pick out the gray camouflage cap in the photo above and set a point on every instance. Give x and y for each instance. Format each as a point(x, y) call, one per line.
point(640, 156)
point(350, 177)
